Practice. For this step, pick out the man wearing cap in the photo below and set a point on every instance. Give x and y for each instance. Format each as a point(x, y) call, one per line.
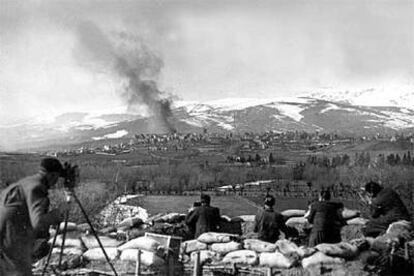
point(24, 217)
point(268, 222)
point(204, 218)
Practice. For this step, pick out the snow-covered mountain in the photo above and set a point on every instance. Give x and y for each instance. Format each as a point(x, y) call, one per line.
point(351, 113)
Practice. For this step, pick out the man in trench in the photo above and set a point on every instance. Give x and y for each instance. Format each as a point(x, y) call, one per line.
point(24, 217)
point(386, 208)
point(204, 218)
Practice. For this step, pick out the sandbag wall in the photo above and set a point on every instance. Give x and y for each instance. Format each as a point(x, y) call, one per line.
point(122, 243)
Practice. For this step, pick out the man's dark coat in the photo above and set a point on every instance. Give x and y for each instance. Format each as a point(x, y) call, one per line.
point(204, 219)
point(24, 217)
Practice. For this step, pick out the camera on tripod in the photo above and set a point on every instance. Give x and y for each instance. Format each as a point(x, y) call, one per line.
point(71, 176)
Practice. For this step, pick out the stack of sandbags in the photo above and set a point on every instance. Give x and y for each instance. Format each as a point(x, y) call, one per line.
point(211, 246)
point(219, 244)
point(151, 251)
point(396, 233)
point(95, 253)
point(73, 246)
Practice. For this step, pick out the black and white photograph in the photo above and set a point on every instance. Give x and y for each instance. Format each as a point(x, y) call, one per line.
point(206, 137)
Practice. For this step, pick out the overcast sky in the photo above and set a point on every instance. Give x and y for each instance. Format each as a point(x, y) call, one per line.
point(197, 50)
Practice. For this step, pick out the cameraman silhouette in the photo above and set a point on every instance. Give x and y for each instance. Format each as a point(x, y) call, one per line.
point(24, 217)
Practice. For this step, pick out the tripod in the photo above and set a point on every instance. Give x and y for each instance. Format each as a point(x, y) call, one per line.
point(64, 236)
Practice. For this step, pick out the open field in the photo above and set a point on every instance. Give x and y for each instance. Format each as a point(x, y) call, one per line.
point(229, 205)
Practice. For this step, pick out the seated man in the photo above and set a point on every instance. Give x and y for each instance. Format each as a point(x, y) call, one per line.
point(327, 220)
point(268, 222)
point(386, 208)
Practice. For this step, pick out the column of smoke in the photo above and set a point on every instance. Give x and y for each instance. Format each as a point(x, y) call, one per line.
point(134, 66)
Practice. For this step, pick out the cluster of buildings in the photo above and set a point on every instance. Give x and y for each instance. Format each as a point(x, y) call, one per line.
point(248, 141)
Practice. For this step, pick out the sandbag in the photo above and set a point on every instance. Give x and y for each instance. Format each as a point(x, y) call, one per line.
point(206, 256)
point(275, 260)
point(70, 240)
point(193, 245)
point(71, 226)
point(224, 248)
point(357, 221)
point(362, 244)
point(68, 251)
point(343, 250)
point(96, 254)
point(84, 227)
point(258, 245)
point(287, 247)
point(130, 222)
point(297, 220)
point(147, 258)
point(301, 224)
point(306, 251)
point(70, 261)
point(350, 214)
point(383, 243)
point(171, 218)
point(226, 218)
point(320, 258)
point(400, 229)
point(243, 257)
point(213, 237)
point(293, 213)
point(143, 243)
point(245, 217)
point(91, 242)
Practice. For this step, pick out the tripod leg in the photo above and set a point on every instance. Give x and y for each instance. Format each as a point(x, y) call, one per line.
point(62, 246)
point(94, 233)
point(50, 250)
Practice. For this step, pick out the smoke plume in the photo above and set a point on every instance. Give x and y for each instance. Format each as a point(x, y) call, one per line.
point(130, 59)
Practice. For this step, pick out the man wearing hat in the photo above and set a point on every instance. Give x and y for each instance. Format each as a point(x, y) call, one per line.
point(204, 218)
point(386, 207)
point(24, 217)
point(268, 222)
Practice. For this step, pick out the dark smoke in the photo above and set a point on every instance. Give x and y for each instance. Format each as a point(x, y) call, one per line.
point(137, 66)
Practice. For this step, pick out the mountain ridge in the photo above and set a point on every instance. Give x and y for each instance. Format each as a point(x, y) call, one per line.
point(304, 112)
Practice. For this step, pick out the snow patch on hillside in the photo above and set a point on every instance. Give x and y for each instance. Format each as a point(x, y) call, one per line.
point(288, 110)
point(117, 134)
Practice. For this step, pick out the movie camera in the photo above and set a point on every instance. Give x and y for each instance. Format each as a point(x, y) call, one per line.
point(70, 174)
